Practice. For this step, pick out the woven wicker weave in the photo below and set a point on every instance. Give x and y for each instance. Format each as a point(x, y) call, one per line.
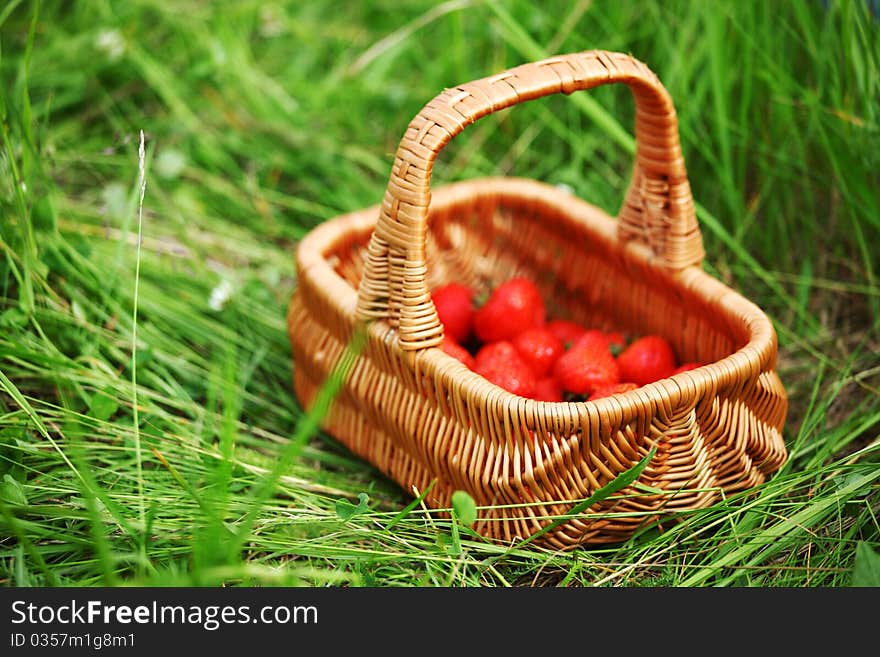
point(419, 415)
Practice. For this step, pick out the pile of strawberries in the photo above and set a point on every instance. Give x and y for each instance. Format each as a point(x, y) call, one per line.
point(512, 343)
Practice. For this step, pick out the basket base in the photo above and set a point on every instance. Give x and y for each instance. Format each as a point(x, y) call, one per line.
point(370, 434)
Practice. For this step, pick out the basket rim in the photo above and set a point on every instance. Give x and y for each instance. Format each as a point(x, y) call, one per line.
point(758, 354)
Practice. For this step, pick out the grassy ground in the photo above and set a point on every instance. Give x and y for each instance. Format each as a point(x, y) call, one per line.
point(186, 459)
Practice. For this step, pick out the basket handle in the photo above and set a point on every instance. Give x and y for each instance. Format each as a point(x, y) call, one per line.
point(658, 209)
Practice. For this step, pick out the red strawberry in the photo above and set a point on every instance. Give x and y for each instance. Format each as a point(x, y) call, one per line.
point(458, 352)
point(585, 367)
point(594, 338)
point(548, 389)
point(607, 391)
point(454, 304)
point(685, 368)
point(502, 350)
point(566, 331)
point(539, 348)
point(500, 363)
point(513, 307)
point(616, 341)
point(648, 359)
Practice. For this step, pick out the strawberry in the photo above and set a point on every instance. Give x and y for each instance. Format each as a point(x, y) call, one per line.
point(548, 389)
point(616, 341)
point(458, 352)
point(594, 338)
point(686, 367)
point(607, 391)
point(512, 307)
point(539, 348)
point(585, 367)
point(501, 350)
point(566, 331)
point(454, 304)
point(648, 359)
point(500, 364)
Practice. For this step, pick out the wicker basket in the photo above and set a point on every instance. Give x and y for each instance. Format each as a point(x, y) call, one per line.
point(419, 415)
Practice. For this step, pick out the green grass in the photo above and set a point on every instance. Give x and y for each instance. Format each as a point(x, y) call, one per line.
point(148, 439)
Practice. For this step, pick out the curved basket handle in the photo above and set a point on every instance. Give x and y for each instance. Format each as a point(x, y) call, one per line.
point(658, 209)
